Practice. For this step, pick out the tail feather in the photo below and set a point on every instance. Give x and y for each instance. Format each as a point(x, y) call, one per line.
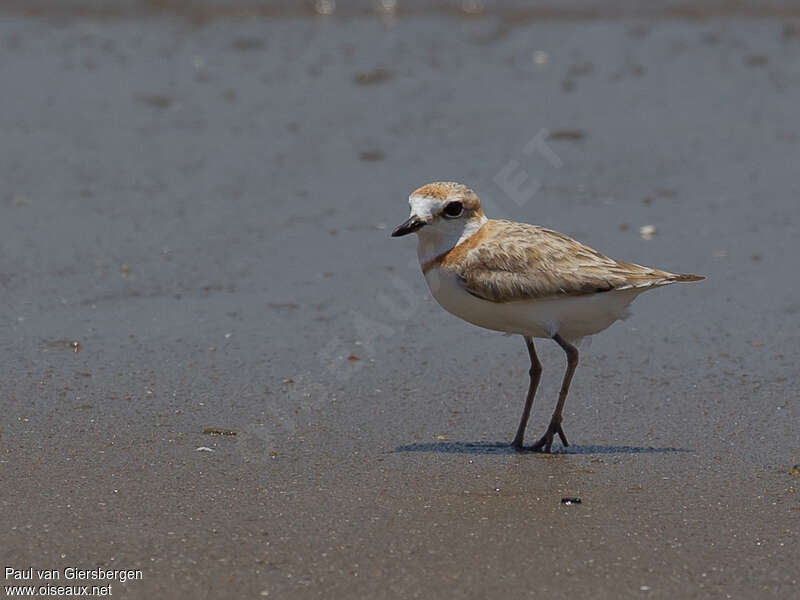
point(685, 278)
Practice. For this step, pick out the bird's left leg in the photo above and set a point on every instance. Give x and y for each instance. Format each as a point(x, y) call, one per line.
point(546, 441)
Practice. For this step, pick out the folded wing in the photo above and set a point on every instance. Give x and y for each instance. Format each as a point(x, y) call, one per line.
point(516, 261)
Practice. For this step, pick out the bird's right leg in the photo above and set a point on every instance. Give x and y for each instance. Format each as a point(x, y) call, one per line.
point(546, 441)
point(536, 374)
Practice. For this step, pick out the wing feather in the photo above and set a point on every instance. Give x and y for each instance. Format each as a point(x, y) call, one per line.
point(516, 261)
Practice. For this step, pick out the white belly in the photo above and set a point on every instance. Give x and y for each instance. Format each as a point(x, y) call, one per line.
point(572, 317)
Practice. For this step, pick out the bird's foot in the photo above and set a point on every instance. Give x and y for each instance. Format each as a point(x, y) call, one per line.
point(546, 441)
point(517, 445)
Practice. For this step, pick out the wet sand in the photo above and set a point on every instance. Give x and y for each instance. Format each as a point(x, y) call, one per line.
point(219, 369)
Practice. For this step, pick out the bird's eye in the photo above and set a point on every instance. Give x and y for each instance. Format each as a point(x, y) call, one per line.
point(453, 210)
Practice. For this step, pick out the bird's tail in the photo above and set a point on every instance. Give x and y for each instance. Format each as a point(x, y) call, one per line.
point(686, 278)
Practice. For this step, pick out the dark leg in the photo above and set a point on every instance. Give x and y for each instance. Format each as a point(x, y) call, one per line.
point(546, 441)
point(536, 374)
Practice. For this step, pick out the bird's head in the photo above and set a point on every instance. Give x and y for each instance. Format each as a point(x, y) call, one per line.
point(443, 212)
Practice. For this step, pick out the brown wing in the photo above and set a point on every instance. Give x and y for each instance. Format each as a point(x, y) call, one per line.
point(516, 261)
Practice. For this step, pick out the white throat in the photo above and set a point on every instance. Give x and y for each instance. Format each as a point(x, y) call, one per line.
point(435, 240)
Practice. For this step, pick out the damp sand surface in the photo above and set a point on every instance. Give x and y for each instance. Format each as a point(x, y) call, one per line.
point(216, 366)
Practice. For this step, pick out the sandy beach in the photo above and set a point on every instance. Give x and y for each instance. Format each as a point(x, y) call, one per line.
point(219, 370)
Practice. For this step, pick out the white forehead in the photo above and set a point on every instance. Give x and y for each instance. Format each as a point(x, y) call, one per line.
point(424, 206)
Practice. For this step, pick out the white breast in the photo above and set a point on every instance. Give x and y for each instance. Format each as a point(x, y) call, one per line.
point(572, 317)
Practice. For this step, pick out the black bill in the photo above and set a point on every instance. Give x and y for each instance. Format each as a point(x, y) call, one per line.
point(409, 226)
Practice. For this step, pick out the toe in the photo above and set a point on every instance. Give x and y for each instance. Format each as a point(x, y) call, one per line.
point(563, 436)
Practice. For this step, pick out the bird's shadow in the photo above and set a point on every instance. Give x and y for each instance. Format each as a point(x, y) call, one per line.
point(505, 448)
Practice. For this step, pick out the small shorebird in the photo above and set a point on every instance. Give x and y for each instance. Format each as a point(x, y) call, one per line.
point(520, 278)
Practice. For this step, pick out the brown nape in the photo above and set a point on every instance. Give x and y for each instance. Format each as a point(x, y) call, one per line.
point(452, 258)
point(457, 253)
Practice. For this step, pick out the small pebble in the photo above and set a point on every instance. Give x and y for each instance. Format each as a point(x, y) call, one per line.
point(647, 232)
point(570, 501)
point(218, 431)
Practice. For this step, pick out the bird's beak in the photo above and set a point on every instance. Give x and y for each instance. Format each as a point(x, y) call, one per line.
point(410, 226)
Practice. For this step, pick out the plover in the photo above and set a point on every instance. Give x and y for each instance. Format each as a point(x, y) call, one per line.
point(520, 278)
